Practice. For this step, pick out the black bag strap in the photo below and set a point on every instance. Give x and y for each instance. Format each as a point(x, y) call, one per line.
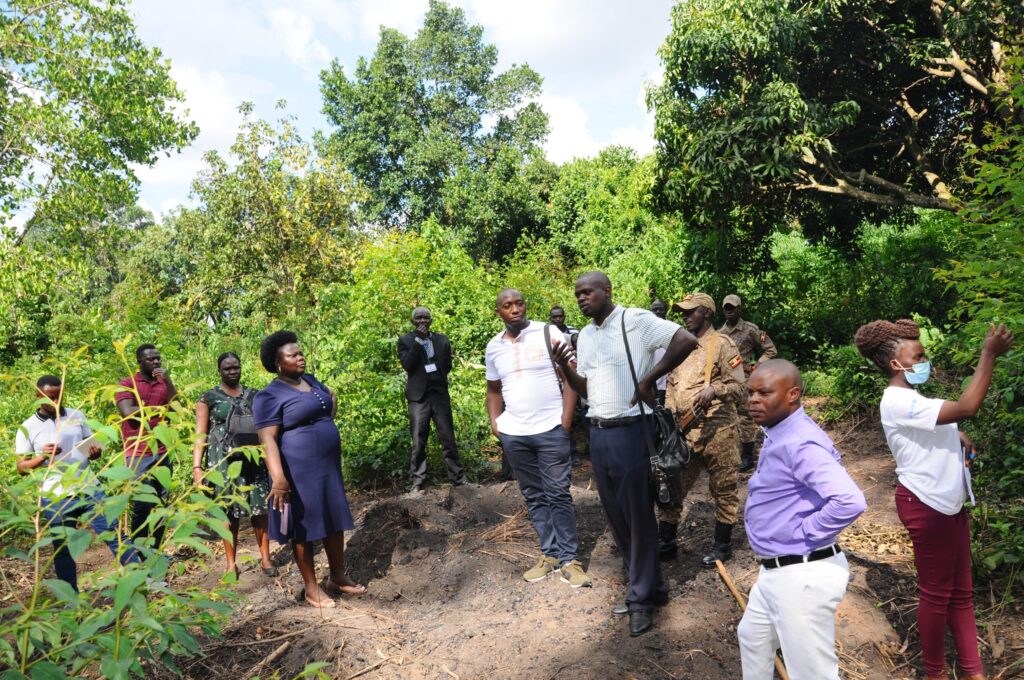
point(551, 355)
point(651, 448)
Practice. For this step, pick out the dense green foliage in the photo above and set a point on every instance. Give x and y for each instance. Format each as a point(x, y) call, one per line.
point(828, 111)
point(430, 188)
point(122, 615)
point(432, 131)
point(82, 100)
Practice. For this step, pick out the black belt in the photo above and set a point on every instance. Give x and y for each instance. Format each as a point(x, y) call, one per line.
point(607, 423)
point(786, 560)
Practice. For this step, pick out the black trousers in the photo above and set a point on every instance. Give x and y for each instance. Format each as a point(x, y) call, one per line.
point(436, 406)
point(143, 466)
point(621, 469)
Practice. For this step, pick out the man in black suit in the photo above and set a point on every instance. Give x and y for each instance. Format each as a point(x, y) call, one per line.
point(427, 358)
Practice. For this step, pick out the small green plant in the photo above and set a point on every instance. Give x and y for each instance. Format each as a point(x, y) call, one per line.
point(123, 616)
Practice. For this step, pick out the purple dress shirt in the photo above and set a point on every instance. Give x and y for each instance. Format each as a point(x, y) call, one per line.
point(800, 497)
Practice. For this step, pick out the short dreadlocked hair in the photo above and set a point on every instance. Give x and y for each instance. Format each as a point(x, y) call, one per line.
point(878, 340)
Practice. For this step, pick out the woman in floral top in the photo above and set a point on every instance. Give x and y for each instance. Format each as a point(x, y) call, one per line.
point(213, 437)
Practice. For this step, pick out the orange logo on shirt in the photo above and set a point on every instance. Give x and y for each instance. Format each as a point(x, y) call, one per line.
point(735, 361)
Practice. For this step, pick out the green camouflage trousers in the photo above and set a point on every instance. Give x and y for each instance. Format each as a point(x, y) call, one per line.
point(717, 448)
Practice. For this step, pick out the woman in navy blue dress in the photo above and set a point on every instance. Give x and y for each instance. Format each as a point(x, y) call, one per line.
point(294, 418)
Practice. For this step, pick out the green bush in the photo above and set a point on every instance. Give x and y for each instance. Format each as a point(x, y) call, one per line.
point(122, 615)
point(851, 383)
point(819, 295)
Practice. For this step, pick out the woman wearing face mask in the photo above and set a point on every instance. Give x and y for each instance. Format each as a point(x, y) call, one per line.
point(932, 461)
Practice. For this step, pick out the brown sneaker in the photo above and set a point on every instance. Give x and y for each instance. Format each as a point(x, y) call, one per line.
point(538, 572)
point(573, 574)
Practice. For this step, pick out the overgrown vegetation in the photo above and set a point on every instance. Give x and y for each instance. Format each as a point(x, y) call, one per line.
point(330, 240)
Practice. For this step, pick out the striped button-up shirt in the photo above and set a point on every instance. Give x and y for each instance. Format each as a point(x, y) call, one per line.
point(601, 358)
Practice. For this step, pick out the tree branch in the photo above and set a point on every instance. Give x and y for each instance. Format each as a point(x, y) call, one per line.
point(938, 186)
point(849, 184)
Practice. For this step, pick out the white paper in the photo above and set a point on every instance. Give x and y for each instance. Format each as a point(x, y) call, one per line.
point(430, 368)
point(81, 451)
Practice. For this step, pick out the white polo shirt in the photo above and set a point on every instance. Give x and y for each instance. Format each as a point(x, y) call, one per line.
point(601, 357)
point(529, 385)
point(929, 458)
point(70, 473)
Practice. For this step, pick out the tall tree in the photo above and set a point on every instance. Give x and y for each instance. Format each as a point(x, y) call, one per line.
point(82, 101)
point(270, 227)
point(828, 111)
point(429, 127)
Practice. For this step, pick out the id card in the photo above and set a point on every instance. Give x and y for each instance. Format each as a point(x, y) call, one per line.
point(430, 368)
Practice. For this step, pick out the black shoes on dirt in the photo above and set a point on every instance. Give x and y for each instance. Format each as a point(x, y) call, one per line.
point(640, 622)
point(722, 549)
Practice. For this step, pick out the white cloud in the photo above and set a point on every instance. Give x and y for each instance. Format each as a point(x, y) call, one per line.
point(569, 137)
point(592, 54)
point(640, 138)
point(592, 48)
point(211, 100)
point(297, 34)
point(404, 15)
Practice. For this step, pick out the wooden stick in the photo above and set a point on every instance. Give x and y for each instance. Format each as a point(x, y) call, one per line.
point(780, 668)
point(271, 658)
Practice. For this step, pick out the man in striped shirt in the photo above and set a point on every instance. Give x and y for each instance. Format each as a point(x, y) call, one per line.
point(618, 449)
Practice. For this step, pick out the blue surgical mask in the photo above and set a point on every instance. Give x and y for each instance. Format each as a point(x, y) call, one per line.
point(919, 373)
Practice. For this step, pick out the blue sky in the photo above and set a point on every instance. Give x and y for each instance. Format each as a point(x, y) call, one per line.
point(595, 57)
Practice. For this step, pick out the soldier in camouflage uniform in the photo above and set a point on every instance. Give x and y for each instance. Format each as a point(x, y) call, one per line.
point(749, 339)
point(715, 440)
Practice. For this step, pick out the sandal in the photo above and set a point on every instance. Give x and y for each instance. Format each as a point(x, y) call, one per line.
point(270, 571)
point(352, 588)
point(326, 603)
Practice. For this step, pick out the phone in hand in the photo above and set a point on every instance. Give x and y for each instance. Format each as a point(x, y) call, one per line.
point(286, 520)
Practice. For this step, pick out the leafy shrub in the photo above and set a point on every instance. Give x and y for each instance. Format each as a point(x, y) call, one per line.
point(851, 383)
point(818, 295)
point(125, 615)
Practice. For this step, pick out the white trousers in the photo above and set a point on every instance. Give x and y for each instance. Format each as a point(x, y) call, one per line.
point(794, 608)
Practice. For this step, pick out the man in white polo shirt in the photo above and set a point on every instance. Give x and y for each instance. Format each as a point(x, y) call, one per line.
point(54, 438)
point(618, 448)
point(531, 412)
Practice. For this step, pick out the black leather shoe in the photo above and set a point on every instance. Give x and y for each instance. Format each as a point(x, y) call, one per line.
point(620, 609)
point(719, 551)
point(640, 622)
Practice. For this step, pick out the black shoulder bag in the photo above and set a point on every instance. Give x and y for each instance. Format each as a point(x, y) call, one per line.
point(551, 355)
point(666, 445)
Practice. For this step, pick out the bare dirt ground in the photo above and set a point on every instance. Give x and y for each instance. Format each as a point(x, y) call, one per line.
point(446, 599)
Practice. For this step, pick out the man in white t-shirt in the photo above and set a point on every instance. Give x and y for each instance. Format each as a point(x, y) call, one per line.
point(59, 439)
point(618, 446)
point(531, 412)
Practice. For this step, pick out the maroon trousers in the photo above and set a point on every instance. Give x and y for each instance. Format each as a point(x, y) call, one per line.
point(942, 554)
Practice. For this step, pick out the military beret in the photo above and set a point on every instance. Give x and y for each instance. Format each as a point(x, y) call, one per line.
point(695, 300)
point(733, 300)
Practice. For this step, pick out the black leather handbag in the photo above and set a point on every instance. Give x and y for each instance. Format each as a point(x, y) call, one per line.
point(666, 445)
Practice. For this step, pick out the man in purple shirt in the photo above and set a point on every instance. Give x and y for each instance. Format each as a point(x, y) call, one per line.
point(800, 499)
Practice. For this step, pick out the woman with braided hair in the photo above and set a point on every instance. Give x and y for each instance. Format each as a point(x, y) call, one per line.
point(932, 466)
